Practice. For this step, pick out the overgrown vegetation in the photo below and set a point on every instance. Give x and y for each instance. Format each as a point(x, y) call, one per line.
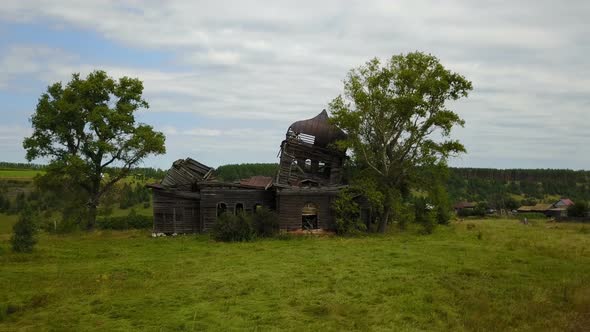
point(233, 228)
point(245, 226)
point(347, 214)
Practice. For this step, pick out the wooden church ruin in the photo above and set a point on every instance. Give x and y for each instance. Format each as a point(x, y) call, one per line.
point(189, 199)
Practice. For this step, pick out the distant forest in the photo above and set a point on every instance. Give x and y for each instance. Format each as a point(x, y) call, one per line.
point(499, 188)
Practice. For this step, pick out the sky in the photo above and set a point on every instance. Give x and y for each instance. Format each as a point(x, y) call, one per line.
point(225, 79)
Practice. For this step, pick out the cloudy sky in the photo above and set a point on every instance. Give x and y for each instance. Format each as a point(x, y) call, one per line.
point(225, 79)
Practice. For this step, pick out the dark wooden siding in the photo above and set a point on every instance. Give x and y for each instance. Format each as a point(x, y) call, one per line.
point(292, 150)
point(210, 197)
point(173, 214)
point(291, 206)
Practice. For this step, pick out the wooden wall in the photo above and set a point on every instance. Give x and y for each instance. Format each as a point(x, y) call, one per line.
point(173, 214)
point(290, 207)
point(210, 197)
point(292, 150)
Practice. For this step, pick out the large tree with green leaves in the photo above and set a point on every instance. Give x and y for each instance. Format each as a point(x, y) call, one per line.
point(398, 122)
point(86, 126)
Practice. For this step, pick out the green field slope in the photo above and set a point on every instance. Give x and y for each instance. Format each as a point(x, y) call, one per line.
point(496, 275)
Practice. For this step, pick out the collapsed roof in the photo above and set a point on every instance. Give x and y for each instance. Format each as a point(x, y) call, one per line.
point(185, 173)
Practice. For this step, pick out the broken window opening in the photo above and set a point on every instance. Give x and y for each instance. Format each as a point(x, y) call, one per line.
point(239, 208)
point(221, 209)
point(257, 207)
point(309, 217)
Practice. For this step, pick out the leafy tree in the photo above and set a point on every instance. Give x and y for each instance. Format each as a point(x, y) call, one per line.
point(23, 237)
point(579, 209)
point(396, 120)
point(85, 127)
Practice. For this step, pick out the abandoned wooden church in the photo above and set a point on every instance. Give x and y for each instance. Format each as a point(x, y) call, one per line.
point(309, 178)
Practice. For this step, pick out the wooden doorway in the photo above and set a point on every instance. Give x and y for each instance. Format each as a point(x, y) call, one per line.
point(309, 217)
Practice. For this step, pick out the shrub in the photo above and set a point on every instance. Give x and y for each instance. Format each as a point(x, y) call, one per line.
point(348, 216)
point(443, 216)
point(424, 215)
point(265, 222)
point(23, 237)
point(130, 221)
point(231, 228)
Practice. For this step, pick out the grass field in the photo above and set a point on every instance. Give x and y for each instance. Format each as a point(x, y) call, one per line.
point(496, 275)
point(18, 173)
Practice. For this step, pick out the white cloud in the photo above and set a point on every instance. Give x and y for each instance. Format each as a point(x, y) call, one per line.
point(276, 62)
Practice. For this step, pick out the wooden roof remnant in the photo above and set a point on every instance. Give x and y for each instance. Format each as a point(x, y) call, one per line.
point(535, 208)
point(185, 173)
point(564, 202)
point(317, 131)
point(258, 181)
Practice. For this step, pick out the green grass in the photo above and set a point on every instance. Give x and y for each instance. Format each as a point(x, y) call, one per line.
point(18, 173)
point(6, 222)
point(495, 275)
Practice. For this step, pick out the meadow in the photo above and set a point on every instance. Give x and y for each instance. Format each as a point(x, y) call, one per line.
point(473, 275)
point(24, 174)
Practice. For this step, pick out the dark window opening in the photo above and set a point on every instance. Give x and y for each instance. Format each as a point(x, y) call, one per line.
point(324, 170)
point(239, 208)
point(257, 207)
point(221, 208)
point(309, 222)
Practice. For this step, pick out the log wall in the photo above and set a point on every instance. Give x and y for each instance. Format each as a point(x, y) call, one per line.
point(210, 197)
point(173, 214)
point(291, 206)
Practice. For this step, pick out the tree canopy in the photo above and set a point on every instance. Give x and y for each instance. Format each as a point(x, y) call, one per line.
point(86, 126)
point(397, 120)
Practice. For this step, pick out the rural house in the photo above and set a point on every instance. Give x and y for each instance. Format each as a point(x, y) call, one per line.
point(557, 209)
point(189, 199)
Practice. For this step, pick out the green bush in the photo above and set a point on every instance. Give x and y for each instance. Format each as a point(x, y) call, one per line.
point(265, 222)
point(348, 214)
point(131, 221)
point(579, 209)
point(443, 215)
point(231, 228)
point(424, 215)
point(23, 237)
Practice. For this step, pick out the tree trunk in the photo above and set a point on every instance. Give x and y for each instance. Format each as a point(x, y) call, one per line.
point(92, 211)
point(385, 219)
